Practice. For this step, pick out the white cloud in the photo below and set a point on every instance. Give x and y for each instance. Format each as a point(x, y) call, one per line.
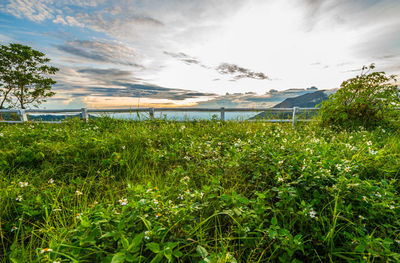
point(59, 20)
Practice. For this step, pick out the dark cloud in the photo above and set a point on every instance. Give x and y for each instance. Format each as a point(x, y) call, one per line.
point(239, 72)
point(117, 83)
point(188, 60)
point(106, 52)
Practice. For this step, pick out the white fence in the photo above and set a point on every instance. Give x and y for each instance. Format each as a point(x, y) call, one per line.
point(84, 112)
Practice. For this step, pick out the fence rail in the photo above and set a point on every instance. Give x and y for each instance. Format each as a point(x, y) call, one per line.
point(84, 112)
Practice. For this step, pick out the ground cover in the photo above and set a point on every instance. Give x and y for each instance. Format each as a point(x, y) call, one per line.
point(208, 191)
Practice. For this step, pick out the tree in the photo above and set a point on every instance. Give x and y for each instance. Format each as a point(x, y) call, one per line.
point(368, 99)
point(24, 76)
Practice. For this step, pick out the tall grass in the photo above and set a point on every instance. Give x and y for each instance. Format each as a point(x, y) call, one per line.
point(201, 191)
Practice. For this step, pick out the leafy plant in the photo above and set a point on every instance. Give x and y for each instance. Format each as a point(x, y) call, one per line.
point(368, 99)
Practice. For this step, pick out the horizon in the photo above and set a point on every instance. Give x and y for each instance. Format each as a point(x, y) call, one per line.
point(190, 53)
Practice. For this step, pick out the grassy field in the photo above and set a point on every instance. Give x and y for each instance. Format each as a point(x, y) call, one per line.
point(209, 191)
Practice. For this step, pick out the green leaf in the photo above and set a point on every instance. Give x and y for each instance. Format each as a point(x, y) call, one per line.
point(137, 240)
point(157, 258)
point(202, 251)
point(274, 221)
point(124, 242)
point(154, 247)
point(119, 257)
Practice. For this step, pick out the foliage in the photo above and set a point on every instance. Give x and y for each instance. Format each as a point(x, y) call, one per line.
point(209, 191)
point(368, 99)
point(24, 76)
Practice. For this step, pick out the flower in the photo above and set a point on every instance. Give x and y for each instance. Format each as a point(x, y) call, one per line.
point(149, 190)
point(14, 228)
point(280, 179)
point(147, 235)
point(354, 241)
point(312, 213)
point(78, 215)
point(361, 217)
point(280, 162)
point(50, 181)
point(187, 192)
point(44, 250)
point(23, 184)
point(123, 201)
point(347, 169)
point(77, 192)
point(397, 241)
point(19, 198)
point(180, 196)
point(155, 201)
point(378, 194)
point(364, 198)
point(369, 143)
point(158, 215)
point(57, 210)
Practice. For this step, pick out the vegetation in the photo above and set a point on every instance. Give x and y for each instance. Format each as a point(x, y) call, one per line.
point(368, 99)
point(24, 76)
point(124, 191)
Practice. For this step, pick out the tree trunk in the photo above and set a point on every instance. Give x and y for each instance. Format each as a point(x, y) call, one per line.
point(21, 97)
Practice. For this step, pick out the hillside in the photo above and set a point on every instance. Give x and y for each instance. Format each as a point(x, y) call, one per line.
point(309, 100)
point(201, 191)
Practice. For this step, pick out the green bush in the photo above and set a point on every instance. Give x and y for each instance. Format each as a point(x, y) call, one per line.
point(368, 100)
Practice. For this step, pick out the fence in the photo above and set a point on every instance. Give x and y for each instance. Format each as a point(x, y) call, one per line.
point(84, 112)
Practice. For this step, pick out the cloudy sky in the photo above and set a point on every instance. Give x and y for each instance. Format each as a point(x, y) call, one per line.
point(184, 52)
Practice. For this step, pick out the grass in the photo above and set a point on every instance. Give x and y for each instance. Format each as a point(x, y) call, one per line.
point(206, 191)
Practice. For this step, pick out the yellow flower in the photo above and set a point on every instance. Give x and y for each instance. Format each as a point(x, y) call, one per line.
point(19, 198)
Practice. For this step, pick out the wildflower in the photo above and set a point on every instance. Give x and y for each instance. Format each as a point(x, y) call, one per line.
point(312, 213)
point(77, 192)
point(156, 188)
point(57, 210)
point(347, 169)
point(23, 184)
point(361, 217)
point(123, 201)
point(158, 215)
point(155, 201)
point(187, 192)
point(397, 241)
point(123, 147)
point(280, 162)
point(378, 194)
point(1, 134)
point(19, 198)
point(284, 140)
point(201, 194)
point(78, 215)
point(391, 207)
point(372, 152)
point(56, 262)
point(180, 196)
point(280, 179)
point(183, 127)
point(14, 228)
point(282, 147)
point(369, 143)
point(147, 235)
point(354, 241)
point(364, 198)
point(149, 190)
point(50, 181)
point(44, 250)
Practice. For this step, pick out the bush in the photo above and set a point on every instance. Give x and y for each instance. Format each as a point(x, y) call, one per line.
point(368, 100)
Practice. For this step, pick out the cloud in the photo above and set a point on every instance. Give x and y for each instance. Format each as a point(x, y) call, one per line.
point(114, 82)
point(239, 72)
point(34, 10)
point(188, 60)
point(106, 52)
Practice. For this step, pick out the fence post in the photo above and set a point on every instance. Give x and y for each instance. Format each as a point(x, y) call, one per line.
point(22, 114)
point(294, 119)
point(151, 112)
point(85, 115)
point(222, 114)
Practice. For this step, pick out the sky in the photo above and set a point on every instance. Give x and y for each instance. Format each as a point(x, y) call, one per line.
point(192, 52)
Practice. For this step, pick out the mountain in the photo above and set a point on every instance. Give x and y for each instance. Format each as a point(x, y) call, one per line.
point(309, 100)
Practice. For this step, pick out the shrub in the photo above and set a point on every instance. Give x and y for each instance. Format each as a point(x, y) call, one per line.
point(368, 100)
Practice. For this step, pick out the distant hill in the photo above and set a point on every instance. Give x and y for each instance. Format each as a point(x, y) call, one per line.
point(309, 100)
